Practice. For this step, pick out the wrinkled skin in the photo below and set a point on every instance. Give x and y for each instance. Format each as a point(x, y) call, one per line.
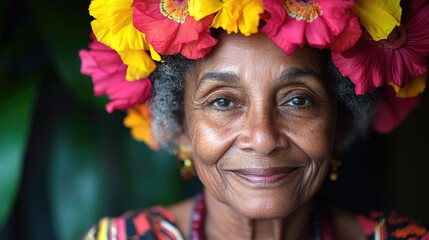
point(249, 109)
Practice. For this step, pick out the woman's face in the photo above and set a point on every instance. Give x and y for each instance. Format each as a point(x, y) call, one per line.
point(261, 125)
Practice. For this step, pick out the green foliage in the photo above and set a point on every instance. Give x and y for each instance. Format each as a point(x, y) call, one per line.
point(70, 163)
point(77, 184)
point(16, 108)
point(65, 29)
point(152, 176)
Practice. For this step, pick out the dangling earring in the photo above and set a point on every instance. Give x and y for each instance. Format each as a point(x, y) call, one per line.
point(335, 165)
point(184, 161)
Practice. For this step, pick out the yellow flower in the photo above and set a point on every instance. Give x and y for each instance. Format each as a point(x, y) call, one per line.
point(138, 119)
point(379, 17)
point(415, 87)
point(200, 9)
point(232, 15)
point(113, 26)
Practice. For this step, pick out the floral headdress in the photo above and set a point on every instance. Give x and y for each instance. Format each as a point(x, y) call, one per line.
point(373, 42)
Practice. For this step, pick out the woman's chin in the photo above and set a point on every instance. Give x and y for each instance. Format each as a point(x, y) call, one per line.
point(265, 207)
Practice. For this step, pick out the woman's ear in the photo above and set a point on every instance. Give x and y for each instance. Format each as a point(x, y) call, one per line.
point(184, 137)
point(184, 153)
point(185, 141)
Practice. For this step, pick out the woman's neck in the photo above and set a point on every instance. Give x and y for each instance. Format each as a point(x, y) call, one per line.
point(223, 222)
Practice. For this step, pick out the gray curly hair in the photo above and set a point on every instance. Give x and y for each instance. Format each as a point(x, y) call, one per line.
point(167, 107)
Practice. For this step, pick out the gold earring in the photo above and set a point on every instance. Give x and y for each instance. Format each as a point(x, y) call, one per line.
point(184, 157)
point(335, 164)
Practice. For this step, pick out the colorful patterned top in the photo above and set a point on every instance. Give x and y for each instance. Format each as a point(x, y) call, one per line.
point(380, 225)
point(158, 223)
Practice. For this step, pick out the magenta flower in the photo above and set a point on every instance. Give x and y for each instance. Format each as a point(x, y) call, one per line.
point(393, 110)
point(318, 23)
point(170, 29)
point(108, 73)
point(401, 57)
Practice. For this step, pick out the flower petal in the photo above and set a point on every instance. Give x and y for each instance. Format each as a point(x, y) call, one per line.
point(108, 72)
point(227, 17)
point(414, 88)
point(240, 15)
point(178, 34)
point(199, 48)
point(316, 23)
point(335, 13)
point(379, 17)
point(200, 9)
point(275, 12)
point(140, 64)
point(125, 94)
point(393, 110)
point(287, 41)
point(249, 19)
point(317, 34)
point(400, 58)
point(114, 24)
point(138, 119)
point(355, 64)
point(347, 38)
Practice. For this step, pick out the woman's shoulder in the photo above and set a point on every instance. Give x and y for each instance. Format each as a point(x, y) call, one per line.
point(391, 225)
point(153, 223)
point(371, 224)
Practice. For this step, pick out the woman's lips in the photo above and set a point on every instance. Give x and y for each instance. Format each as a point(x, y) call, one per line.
point(263, 175)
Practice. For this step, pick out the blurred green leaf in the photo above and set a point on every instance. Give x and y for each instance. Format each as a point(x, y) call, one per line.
point(77, 182)
point(65, 29)
point(16, 110)
point(152, 177)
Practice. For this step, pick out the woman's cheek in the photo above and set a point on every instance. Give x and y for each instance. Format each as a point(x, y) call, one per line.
point(210, 140)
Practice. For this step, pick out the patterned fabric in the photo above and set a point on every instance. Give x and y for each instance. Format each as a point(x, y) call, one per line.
point(391, 226)
point(151, 224)
point(158, 223)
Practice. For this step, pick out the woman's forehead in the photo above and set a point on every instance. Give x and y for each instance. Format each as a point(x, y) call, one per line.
point(258, 50)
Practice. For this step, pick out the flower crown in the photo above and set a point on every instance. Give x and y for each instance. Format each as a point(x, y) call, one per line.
point(374, 43)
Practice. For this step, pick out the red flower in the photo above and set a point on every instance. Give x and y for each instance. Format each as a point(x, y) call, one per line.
point(318, 23)
point(393, 110)
point(108, 73)
point(170, 29)
point(400, 58)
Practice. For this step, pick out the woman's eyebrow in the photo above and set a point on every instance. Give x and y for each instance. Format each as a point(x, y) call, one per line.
point(226, 77)
point(296, 73)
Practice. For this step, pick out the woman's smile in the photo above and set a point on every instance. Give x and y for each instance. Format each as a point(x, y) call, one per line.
point(264, 176)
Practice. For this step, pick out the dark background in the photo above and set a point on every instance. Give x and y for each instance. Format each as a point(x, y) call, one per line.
point(65, 162)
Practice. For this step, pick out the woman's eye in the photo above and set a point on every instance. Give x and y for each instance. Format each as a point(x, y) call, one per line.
point(222, 103)
point(299, 102)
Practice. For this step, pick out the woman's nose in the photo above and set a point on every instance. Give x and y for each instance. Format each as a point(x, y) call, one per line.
point(262, 132)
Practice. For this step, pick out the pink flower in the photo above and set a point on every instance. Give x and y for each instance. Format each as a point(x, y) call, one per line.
point(170, 29)
point(318, 23)
point(108, 73)
point(400, 58)
point(393, 110)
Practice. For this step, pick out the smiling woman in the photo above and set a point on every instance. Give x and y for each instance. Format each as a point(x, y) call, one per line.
point(259, 117)
point(261, 128)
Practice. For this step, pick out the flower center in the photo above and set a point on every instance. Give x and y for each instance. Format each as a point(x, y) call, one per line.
point(176, 10)
point(396, 38)
point(303, 10)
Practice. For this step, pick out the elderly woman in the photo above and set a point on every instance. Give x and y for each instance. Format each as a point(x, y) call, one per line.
point(259, 115)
